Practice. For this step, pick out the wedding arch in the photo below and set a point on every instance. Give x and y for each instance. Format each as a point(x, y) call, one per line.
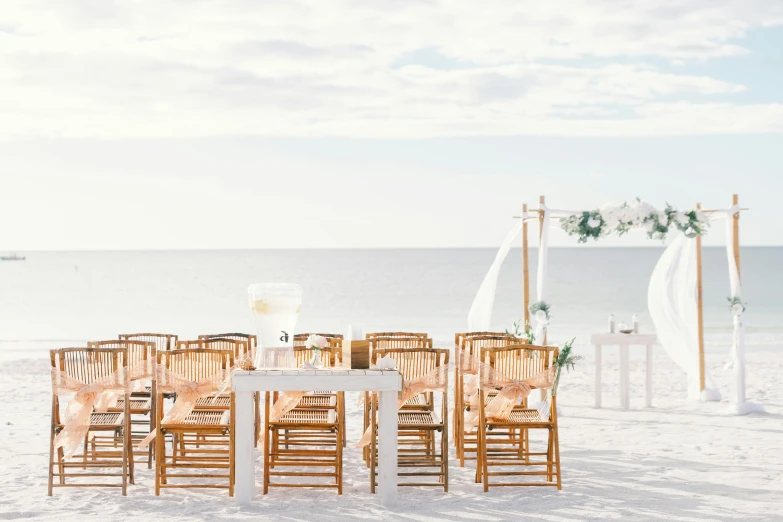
point(675, 289)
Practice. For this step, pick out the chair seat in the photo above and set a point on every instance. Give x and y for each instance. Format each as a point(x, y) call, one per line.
point(136, 405)
point(317, 401)
point(108, 420)
point(308, 417)
point(221, 402)
point(417, 401)
point(521, 416)
point(207, 418)
point(418, 419)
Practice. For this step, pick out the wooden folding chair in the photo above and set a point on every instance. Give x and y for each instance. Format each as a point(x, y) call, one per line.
point(141, 363)
point(107, 444)
point(399, 340)
point(469, 347)
point(416, 427)
point(205, 438)
point(308, 438)
point(518, 362)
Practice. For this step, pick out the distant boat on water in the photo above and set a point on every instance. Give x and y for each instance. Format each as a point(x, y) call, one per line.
point(12, 257)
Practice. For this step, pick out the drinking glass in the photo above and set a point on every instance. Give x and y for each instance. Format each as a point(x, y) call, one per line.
point(275, 308)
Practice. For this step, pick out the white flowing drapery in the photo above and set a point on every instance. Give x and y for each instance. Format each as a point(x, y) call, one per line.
point(671, 300)
point(480, 315)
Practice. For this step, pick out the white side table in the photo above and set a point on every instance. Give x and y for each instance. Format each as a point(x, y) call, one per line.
point(623, 341)
point(386, 382)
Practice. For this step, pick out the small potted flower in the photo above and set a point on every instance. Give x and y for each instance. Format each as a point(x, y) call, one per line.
point(316, 343)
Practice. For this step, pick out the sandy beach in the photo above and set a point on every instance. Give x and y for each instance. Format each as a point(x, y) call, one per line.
point(679, 460)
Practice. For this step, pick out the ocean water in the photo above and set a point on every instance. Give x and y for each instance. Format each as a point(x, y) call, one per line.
point(56, 299)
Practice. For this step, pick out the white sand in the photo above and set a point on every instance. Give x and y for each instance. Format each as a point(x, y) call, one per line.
point(678, 461)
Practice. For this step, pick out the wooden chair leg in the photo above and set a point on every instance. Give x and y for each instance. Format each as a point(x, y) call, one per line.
point(51, 459)
point(557, 457)
point(160, 456)
point(61, 464)
point(84, 456)
point(550, 454)
point(125, 462)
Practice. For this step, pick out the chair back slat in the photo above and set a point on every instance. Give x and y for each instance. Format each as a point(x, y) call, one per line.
point(335, 340)
point(396, 335)
point(518, 361)
point(162, 342)
point(89, 365)
point(413, 363)
point(331, 356)
point(238, 347)
point(196, 364)
point(139, 353)
point(399, 342)
point(251, 340)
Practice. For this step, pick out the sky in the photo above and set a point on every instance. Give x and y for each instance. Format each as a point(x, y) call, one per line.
point(172, 124)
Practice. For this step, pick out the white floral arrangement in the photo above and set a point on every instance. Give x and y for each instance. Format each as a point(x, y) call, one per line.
point(316, 343)
point(540, 311)
point(620, 219)
point(736, 306)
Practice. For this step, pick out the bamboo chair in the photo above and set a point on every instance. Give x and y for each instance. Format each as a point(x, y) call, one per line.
point(239, 345)
point(459, 345)
point(309, 437)
point(141, 356)
point(416, 428)
point(470, 347)
point(396, 340)
point(162, 342)
point(205, 439)
point(520, 361)
point(107, 444)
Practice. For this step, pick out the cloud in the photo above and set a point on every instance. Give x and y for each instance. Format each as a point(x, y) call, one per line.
point(374, 69)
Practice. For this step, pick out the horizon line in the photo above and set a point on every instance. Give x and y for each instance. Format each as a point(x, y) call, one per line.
point(248, 249)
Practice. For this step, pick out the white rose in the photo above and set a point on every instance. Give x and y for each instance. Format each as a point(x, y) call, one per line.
point(316, 341)
point(540, 316)
point(649, 226)
point(737, 309)
point(593, 223)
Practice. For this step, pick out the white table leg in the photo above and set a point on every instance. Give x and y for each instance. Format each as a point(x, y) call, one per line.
point(597, 376)
point(244, 454)
point(624, 371)
point(648, 372)
point(387, 448)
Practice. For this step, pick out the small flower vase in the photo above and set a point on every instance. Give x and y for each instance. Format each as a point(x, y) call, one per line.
point(316, 361)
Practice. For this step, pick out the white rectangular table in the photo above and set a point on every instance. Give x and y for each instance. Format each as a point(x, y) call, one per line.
point(386, 382)
point(623, 341)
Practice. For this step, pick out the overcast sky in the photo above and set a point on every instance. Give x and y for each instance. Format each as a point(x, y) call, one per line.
point(254, 124)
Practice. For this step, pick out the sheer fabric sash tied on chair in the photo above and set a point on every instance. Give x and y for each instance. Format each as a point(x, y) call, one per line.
point(436, 380)
point(188, 392)
point(99, 396)
point(512, 392)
